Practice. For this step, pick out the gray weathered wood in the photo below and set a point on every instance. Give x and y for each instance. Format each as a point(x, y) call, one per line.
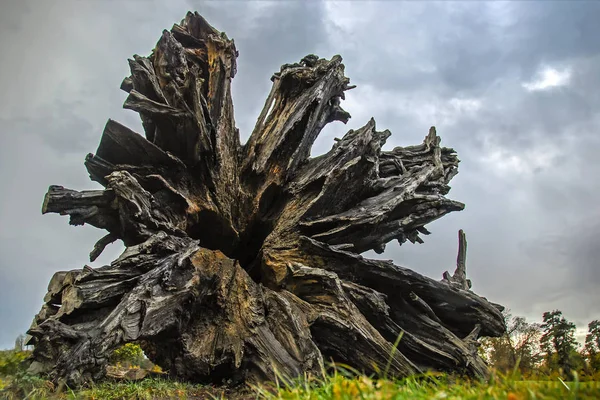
point(459, 279)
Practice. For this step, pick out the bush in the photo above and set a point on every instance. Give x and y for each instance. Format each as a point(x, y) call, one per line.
point(26, 386)
point(11, 361)
point(128, 354)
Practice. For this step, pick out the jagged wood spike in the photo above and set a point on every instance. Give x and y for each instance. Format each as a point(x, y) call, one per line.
point(459, 279)
point(243, 261)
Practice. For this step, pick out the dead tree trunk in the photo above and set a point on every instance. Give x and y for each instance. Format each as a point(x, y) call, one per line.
point(243, 260)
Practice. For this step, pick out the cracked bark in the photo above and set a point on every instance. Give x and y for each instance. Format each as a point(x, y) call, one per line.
point(243, 260)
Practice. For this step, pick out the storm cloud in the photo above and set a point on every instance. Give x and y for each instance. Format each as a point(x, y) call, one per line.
point(513, 87)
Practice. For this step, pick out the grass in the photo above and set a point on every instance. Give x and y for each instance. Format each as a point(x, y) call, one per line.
point(146, 389)
point(346, 383)
point(151, 388)
point(341, 385)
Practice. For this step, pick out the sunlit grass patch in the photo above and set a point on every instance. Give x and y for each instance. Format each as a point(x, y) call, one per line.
point(342, 386)
point(149, 388)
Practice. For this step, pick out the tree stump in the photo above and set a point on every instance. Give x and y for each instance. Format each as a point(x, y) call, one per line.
point(243, 261)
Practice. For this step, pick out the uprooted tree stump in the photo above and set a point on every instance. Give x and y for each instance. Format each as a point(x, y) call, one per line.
point(243, 261)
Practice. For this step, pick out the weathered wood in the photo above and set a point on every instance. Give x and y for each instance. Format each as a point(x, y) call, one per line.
point(121, 145)
point(459, 279)
point(244, 261)
point(90, 206)
point(101, 244)
point(130, 374)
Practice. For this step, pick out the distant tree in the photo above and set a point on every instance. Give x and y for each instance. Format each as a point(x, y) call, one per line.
point(517, 347)
point(558, 342)
point(592, 346)
point(19, 343)
point(551, 321)
point(592, 339)
point(523, 340)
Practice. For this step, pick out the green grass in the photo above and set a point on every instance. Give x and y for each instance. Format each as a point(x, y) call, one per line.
point(150, 388)
point(340, 385)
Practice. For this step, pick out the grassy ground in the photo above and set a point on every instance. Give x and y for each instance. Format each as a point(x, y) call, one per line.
point(341, 387)
point(337, 386)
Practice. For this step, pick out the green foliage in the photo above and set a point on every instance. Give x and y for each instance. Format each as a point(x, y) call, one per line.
point(25, 386)
point(559, 344)
point(592, 346)
point(129, 353)
point(592, 340)
point(11, 361)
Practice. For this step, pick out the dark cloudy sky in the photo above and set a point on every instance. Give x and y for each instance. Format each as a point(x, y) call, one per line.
point(513, 87)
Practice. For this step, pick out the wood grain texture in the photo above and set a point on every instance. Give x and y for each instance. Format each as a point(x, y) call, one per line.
point(244, 260)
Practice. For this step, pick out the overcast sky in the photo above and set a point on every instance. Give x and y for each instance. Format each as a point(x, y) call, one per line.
point(513, 87)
